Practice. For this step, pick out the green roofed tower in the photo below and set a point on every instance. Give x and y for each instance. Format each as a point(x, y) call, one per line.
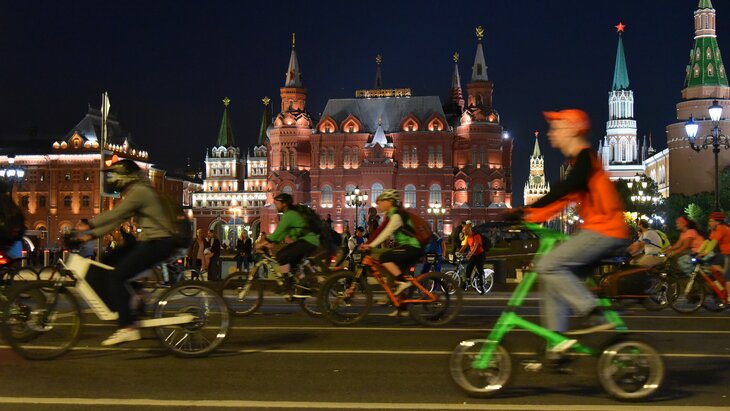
point(225, 134)
point(705, 61)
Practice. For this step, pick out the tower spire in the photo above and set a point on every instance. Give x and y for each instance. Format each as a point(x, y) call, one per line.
point(225, 134)
point(479, 69)
point(536, 150)
point(378, 73)
point(457, 95)
point(293, 75)
point(620, 73)
point(705, 62)
point(265, 121)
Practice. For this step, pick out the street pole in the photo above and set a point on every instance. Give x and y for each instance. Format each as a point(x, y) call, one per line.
point(716, 151)
point(104, 113)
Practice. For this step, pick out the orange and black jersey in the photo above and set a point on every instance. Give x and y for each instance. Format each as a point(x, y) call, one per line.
point(587, 185)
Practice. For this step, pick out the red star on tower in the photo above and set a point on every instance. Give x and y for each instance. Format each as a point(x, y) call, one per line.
point(620, 27)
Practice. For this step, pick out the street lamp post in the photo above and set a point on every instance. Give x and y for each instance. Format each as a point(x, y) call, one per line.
point(436, 210)
point(714, 140)
point(356, 198)
point(12, 173)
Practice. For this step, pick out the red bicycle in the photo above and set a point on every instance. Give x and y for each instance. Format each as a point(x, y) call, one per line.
point(704, 287)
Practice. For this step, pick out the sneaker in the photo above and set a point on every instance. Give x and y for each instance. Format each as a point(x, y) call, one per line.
point(402, 286)
point(122, 335)
point(592, 322)
point(382, 301)
point(398, 313)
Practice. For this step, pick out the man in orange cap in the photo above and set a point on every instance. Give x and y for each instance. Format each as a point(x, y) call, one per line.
point(602, 230)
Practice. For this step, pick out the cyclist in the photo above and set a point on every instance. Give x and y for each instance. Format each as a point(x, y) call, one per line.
point(155, 242)
point(407, 250)
point(354, 243)
point(603, 228)
point(476, 254)
point(650, 242)
point(720, 236)
point(690, 241)
point(294, 226)
point(435, 246)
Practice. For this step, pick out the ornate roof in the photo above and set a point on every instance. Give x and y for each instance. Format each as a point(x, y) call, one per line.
point(389, 111)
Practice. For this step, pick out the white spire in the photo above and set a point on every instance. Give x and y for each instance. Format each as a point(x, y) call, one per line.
point(479, 69)
point(379, 137)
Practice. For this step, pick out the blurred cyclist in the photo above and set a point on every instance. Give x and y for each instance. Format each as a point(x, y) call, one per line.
point(690, 241)
point(407, 249)
point(155, 243)
point(603, 228)
point(720, 236)
point(649, 242)
point(294, 226)
point(476, 255)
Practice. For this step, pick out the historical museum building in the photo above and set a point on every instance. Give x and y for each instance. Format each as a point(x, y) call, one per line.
point(452, 156)
point(61, 180)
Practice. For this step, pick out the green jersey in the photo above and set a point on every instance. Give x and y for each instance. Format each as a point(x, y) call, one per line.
point(294, 226)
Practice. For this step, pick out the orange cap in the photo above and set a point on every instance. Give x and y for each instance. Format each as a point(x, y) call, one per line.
point(577, 117)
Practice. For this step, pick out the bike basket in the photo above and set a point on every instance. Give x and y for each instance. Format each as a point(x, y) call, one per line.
point(430, 258)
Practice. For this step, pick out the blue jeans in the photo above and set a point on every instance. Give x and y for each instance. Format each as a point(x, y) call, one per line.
point(561, 289)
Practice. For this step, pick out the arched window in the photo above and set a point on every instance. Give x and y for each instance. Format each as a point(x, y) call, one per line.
point(287, 190)
point(331, 162)
point(327, 196)
point(85, 201)
point(478, 196)
point(434, 195)
point(323, 158)
point(662, 175)
point(710, 70)
point(67, 202)
point(414, 157)
point(346, 157)
point(293, 159)
point(439, 157)
point(409, 199)
point(406, 157)
point(431, 157)
point(42, 201)
point(24, 202)
point(375, 191)
point(355, 158)
point(284, 162)
point(697, 70)
point(474, 156)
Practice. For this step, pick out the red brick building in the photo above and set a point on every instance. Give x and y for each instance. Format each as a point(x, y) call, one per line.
point(449, 155)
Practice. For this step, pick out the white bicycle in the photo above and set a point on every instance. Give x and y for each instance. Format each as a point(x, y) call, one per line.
point(459, 276)
point(42, 319)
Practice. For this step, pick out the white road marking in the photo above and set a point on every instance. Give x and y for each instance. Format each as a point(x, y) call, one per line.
point(248, 404)
point(344, 351)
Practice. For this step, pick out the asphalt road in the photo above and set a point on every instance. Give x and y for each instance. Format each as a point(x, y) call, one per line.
point(280, 358)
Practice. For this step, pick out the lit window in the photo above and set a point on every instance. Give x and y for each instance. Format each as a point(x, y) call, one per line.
point(434, 195)
point(85, 201)
point(67, 202)
point(327, 196)
point(42, 201)
point(409, 199)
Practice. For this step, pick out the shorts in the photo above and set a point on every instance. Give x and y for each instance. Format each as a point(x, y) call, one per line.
point(404, 257)
point(294, 253)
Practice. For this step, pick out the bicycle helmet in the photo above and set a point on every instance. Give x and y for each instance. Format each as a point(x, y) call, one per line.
point(389, 194)
point(717, 216)
point(121, 174)
point(284, 198)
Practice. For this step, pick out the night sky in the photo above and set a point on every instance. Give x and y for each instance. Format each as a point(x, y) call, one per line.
point(168, 64)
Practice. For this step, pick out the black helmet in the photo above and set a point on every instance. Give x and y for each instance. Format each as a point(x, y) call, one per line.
point(285, 198)
point(120, 174)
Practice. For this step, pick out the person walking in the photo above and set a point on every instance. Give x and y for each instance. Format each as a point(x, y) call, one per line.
point(244, 246)
point(214, 267)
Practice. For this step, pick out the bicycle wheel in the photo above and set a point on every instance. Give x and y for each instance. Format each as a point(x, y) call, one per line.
point(209, 327)
point(440, 312)
point(475, 382)
point(242, 295)
point(191, 274)
point(23, 274)
point(630, 370)
point(455, 277)
point(714, 302)
point(311, 305)
point(48, 273)
point(41, 321)
point(684, 300)
point(488, 278)
point(657, 296)
point(344, 301)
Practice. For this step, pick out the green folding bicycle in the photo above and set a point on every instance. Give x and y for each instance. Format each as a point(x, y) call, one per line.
point(628, 368)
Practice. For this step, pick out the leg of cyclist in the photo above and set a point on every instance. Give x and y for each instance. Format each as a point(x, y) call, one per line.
point(477, 266)
point(561, 289)
point(393, 261)
point(290, 255)
point(727, 277)
point(143, 256)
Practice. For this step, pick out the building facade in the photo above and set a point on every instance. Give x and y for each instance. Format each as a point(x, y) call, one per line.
point(61, 184)
point(389, 138)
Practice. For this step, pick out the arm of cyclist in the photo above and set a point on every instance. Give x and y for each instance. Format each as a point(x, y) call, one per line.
point(676, 248)
point(394, 223)
point(288, 220)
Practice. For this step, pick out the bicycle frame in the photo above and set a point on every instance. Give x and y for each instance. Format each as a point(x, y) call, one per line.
point(375, 265)
point(709, 281)
point(509, 318)
point(79, 266)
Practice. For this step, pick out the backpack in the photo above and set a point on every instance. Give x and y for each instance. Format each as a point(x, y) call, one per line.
point(182, 227)
point(329, 239)
point(12, 221)
point(486, 242)
point(420, 230)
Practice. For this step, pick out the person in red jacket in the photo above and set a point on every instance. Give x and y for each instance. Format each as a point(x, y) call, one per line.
point(602, 230)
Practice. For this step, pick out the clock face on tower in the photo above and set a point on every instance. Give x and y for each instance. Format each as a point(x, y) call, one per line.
point(537, 179)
